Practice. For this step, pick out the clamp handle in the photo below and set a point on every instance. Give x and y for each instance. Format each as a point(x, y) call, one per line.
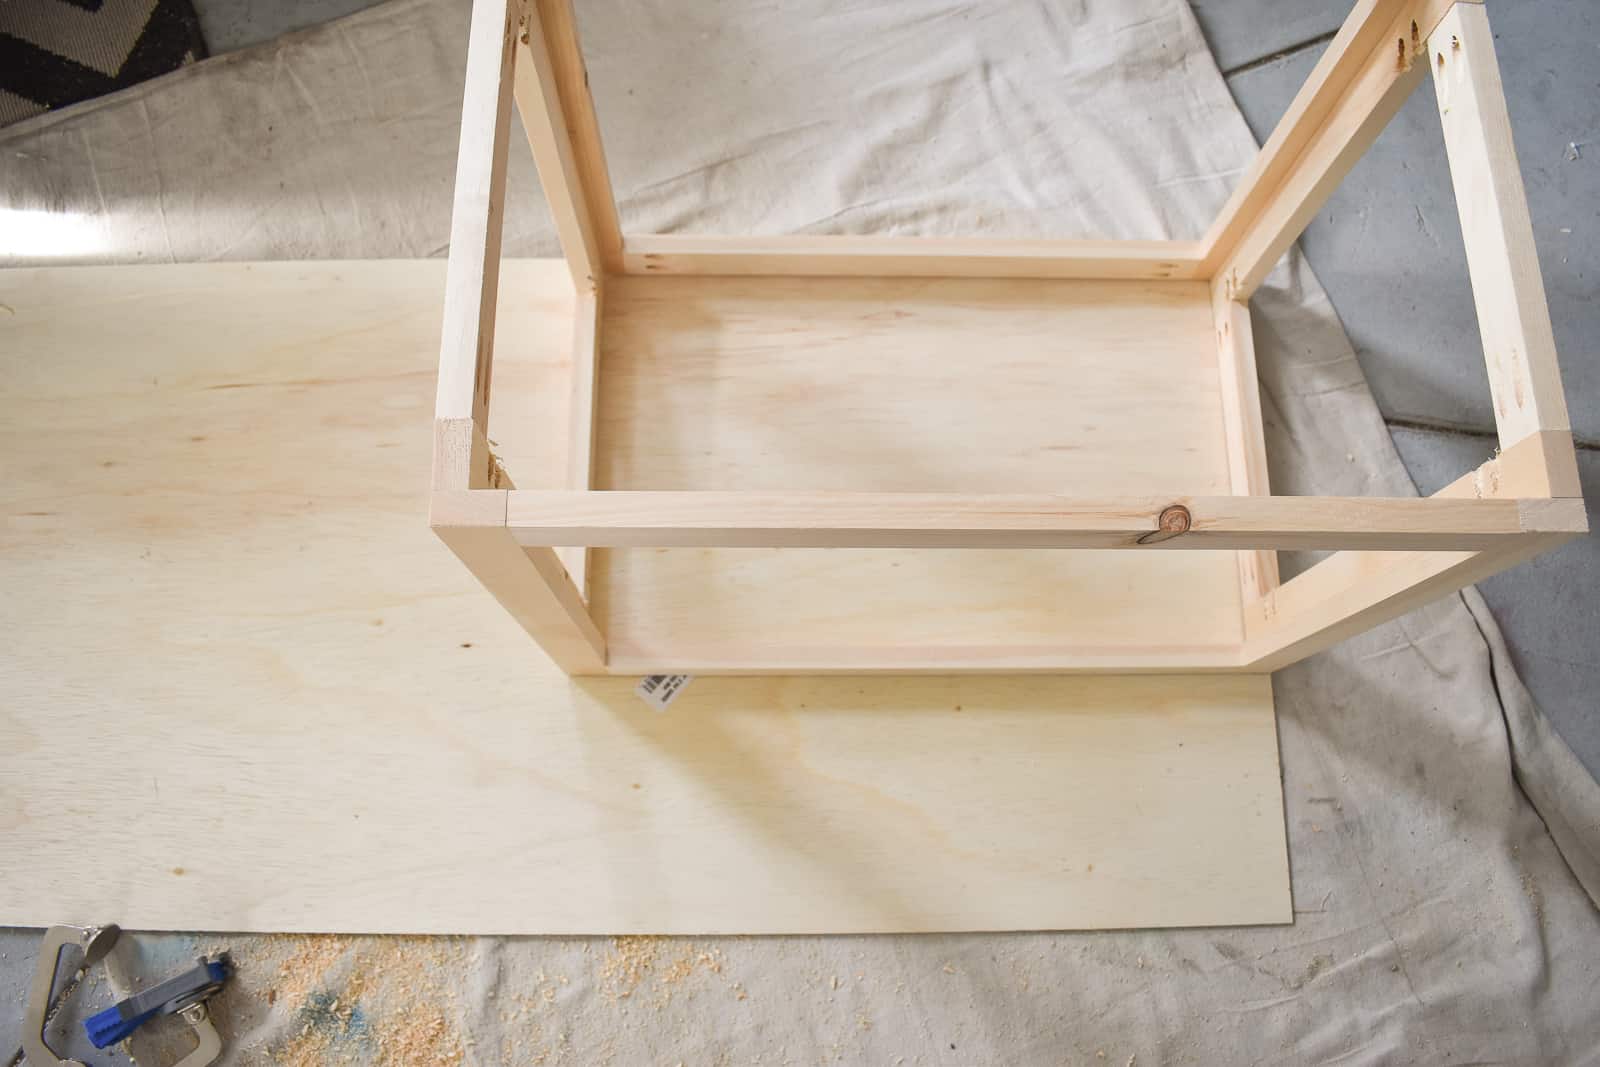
point(176, 994)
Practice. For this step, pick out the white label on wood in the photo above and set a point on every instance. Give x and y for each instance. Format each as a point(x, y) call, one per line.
point(659, 690)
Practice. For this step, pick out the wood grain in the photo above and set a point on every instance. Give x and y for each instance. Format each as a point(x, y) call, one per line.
point(466, 348)
point(229, 635)
point(1519, 343)
point(1243, 427)
point(572, 202)
point(879, 256)
point(581, 421)
point(560, 25)
point(912, 385)
point(530, 583)
point(1349, 592)
point(830, 519)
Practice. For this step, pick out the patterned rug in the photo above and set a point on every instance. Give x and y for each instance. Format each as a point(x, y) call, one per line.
point(58, 52)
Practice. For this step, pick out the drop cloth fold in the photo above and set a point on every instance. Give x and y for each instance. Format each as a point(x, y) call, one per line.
point(1441, 835)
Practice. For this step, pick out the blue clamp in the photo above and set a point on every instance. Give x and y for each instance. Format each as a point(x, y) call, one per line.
point(169, 998)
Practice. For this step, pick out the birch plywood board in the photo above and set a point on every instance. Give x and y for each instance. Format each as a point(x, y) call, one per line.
point(912, 385)
point(228, 636)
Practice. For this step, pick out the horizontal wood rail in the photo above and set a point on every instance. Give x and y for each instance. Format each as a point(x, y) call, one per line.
point(539, 518)
point(1353, 591)
point(910, 257)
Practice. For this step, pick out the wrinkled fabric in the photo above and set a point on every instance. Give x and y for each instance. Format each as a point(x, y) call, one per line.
point(1441, 835)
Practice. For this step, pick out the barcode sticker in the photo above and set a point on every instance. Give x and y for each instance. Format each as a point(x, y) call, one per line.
point(659, 690)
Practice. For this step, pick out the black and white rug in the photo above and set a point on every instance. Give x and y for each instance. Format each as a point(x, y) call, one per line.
point(57, 52)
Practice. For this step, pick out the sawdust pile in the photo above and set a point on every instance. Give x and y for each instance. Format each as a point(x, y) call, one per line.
point(425, 1036)
point(329, 999)
point(306, 959)
point(300, 1000)
point(633, 961)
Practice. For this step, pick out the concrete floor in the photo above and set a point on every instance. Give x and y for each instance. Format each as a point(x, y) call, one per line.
point(1388, 249)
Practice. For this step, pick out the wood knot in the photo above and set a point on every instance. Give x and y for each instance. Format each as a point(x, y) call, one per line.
point(1172, 521)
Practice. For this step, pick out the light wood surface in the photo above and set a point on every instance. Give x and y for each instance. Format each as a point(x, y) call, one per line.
point(539, 106)
point(1542, 464)
point(1519, 343)
point(809, 519)
point(530, 583)
point(560, 26)
point(508, 57)
point(823, 255)
point(1353, 591)
point(229, 637)
point(584, 377)
point(1242, 426)
point(912, 385)
point(466, 349)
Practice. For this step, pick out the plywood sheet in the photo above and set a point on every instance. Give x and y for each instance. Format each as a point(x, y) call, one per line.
point(914, 385)
point(245, 688)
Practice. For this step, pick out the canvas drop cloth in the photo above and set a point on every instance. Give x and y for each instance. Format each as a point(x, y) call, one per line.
point(1441, 835)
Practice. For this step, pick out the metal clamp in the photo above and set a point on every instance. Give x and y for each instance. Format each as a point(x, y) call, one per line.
point(184, 995)
point(95, 942)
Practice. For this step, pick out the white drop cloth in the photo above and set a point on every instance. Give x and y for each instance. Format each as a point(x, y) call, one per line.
point(1441, 916)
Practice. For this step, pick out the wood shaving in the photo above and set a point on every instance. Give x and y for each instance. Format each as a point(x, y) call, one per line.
point(423, 1035)
point(352, 1000)
point(306, 958)
point(669, 962)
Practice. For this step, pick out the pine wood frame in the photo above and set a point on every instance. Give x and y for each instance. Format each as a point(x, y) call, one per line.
point(529, 548)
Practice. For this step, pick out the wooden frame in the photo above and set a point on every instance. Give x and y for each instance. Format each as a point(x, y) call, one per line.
point(1390, 554)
